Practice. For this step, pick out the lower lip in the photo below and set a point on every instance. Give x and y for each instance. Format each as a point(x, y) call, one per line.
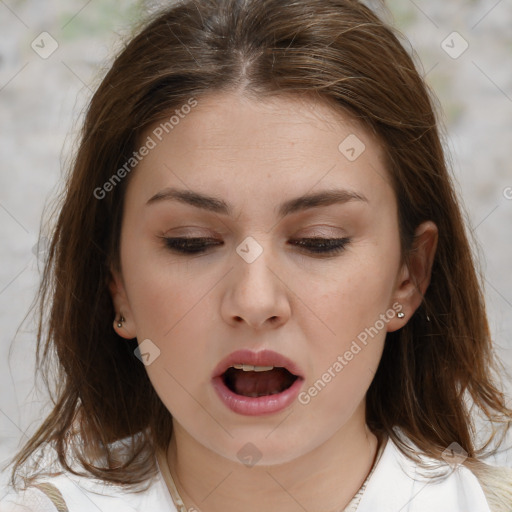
point(256, 406)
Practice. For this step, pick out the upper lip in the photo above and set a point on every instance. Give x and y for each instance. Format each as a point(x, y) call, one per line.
point(261, 358)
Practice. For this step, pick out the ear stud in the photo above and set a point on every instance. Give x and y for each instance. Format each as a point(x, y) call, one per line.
point(401, 314)
point(121, 320)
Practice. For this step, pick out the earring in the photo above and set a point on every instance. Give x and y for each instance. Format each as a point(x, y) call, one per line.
point(121, 320)
point(401, 314)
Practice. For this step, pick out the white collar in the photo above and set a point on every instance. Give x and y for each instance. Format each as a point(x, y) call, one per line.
point(398, 484)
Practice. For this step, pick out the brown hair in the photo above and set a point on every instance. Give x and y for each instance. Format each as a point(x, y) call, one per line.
point(337, 51)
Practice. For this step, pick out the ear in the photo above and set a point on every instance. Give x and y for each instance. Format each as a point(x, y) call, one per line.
point(414, 277)
point(121, 306)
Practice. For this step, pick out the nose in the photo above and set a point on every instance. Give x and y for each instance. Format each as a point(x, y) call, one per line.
point(257, 293)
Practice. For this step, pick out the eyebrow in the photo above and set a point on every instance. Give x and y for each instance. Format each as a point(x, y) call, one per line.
point(217, 205)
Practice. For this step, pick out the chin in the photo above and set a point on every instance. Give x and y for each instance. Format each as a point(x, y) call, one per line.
point(265, 446)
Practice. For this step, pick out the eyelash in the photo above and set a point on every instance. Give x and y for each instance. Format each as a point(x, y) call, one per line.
point(192, 245)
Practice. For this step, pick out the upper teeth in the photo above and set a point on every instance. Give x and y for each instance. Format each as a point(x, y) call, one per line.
point(252, 368)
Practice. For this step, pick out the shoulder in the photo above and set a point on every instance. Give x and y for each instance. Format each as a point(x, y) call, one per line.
point(496, 483)
point(399, 483)
point(67, 492)
point(31, 499)
point(63, 491)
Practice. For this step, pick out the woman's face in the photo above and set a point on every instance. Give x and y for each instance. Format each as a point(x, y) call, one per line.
point(255, 288)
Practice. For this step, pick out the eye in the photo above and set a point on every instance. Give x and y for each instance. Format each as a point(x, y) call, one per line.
point(190, 245)
point(319, 245)
point(313, 245)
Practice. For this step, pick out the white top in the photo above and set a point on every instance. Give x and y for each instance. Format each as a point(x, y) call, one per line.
point(395, 484)
point(399, 484)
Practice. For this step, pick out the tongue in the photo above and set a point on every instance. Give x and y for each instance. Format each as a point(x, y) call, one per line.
point(259, 383)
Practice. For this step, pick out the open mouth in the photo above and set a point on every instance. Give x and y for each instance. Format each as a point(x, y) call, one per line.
point(255, 381)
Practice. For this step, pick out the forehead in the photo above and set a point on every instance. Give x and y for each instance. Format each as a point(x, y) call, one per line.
point(242, 148)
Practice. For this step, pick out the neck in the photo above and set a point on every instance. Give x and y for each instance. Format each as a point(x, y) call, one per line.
point(325, 479)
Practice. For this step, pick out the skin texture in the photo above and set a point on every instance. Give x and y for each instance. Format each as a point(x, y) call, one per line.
point(198, 309)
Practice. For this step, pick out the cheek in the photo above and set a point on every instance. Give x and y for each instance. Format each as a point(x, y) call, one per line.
point(355, 309)
point(172, 308)
point(344, 360)
point(343, 391)
point(171, 313)
point(159, 292)
point(358, 292)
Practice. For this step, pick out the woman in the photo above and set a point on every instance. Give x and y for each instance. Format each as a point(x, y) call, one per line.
point(262, 292)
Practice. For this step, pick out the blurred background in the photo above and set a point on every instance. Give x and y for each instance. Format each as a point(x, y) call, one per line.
point(53, 54)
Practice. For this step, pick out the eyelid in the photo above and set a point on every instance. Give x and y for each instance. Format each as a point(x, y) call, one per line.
point(321, 231)
point(192, 232)
point(322, 247)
